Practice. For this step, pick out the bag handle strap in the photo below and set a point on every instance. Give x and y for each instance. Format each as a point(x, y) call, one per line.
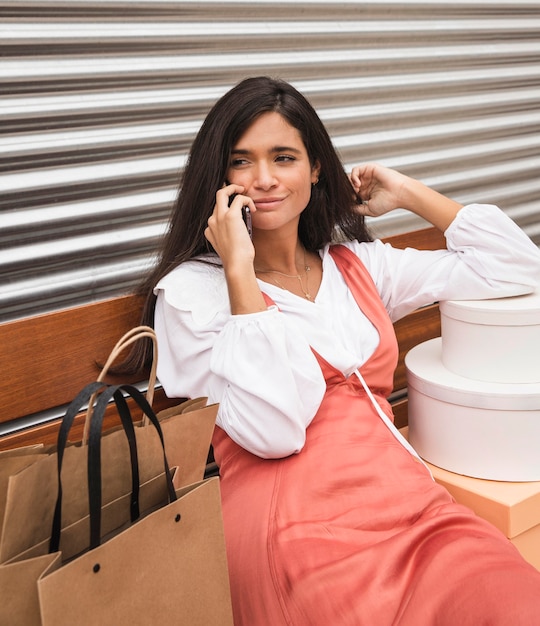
point(133, 335)
point(82, 398)
point(94, 449)
point(106, 392)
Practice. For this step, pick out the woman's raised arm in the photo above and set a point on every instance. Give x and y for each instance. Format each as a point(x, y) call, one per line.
point(382, 190)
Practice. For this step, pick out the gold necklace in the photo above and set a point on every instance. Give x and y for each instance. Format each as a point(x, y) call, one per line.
point(305, 291)
point(307, 269)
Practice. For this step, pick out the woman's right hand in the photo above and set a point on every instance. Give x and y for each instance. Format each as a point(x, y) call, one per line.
point(226, 229)
point(229, 236)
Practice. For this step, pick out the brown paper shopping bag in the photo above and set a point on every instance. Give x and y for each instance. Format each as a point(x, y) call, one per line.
point(31, 493)
point(11, 463)
point(168, 568)
point(187, 427)
point(19, 599)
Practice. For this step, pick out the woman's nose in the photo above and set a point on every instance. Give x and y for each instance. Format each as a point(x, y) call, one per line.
point(265, 178)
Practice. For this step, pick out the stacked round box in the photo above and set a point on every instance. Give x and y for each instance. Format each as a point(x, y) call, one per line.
point(474, 393)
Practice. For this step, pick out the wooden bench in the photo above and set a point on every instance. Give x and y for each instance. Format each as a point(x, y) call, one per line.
point(46, 359)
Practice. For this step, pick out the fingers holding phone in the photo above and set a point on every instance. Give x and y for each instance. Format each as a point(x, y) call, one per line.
point(230, 222)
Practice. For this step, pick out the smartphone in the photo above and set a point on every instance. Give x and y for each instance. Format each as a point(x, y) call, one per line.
point(246, 216)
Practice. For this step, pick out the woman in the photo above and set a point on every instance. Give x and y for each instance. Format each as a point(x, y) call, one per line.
point(328, 518)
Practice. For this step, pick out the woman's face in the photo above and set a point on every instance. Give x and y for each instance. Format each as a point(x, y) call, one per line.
point(271, 162)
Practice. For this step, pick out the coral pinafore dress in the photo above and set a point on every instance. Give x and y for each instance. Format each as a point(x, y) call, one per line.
point(353, 531)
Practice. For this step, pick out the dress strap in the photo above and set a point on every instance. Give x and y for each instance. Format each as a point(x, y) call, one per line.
point(389, 424)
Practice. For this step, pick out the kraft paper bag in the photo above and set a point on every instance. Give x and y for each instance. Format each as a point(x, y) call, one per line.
point(12, 462)
point(31, 493)
point(74, 540)
point(187, 439)
point(169, 568)
point(19, 598)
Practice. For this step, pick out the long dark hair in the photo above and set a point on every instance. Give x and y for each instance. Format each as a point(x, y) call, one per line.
point(330, 213)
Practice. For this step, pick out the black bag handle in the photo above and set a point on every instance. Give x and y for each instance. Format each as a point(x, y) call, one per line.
point(80, 401)
point(94, 450)
point(94, 453)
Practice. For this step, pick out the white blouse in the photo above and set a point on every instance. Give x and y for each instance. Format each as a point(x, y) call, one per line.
point(260, 366)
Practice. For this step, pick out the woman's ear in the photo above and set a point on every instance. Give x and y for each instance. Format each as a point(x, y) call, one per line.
point(315, 172)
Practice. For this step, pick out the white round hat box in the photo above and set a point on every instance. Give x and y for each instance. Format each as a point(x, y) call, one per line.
point(478, 429)
point(494, 340)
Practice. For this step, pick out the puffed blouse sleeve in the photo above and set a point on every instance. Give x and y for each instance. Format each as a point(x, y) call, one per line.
point(262, 372)
point(487, 256)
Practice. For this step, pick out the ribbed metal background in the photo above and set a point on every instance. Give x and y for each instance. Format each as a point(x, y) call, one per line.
point(99, 102)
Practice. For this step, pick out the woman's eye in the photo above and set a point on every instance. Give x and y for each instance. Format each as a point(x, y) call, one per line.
point(238, 162)
point(285, 158)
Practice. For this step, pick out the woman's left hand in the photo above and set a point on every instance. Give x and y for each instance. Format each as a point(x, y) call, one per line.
point(380, 189)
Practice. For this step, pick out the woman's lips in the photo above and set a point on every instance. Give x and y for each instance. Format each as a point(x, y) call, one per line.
point(267, 203)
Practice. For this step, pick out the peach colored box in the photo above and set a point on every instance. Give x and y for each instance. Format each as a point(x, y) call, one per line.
point(513, 507)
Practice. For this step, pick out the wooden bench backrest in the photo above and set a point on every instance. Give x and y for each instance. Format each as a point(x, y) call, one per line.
point(45, 360)
point(50, 357)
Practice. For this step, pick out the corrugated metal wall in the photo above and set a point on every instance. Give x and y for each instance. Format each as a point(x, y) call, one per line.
point(99, 101)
